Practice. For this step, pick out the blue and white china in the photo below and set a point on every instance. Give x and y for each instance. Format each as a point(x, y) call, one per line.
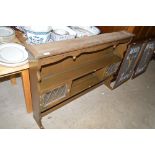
point(38, 34)
point(94, 30)
point(37, 37)
point(45, 34)
point(83, 31)
point(62, 33)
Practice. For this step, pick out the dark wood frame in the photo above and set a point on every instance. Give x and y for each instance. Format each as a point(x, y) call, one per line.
point(140, 58)
point(130, 71)
point(115, 77)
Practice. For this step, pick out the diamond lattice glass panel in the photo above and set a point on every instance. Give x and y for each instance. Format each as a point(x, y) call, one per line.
point(112, 68)
point(54, 95)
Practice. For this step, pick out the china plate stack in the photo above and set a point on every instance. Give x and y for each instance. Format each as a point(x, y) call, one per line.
point(13, 55)
point(6, 34)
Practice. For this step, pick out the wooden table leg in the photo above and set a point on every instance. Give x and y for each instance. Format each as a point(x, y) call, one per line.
point(27, 90)
point(13, 79)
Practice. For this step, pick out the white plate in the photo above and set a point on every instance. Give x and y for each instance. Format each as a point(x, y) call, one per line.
point(6, 31)
point(12, 53)
point(14, 65)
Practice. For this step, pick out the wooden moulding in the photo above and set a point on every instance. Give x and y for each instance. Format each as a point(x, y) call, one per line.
point(61, 47)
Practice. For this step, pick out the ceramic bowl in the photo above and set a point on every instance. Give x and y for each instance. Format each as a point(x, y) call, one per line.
point(62, 33)
point(36, 34)
point(37, 37)
point(93, 29)
point(83, 31)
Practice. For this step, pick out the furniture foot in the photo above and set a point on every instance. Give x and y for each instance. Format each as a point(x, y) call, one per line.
point(38, 121)
point(107, 82)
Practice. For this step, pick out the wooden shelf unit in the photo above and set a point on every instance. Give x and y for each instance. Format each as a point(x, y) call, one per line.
point(61, 71)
